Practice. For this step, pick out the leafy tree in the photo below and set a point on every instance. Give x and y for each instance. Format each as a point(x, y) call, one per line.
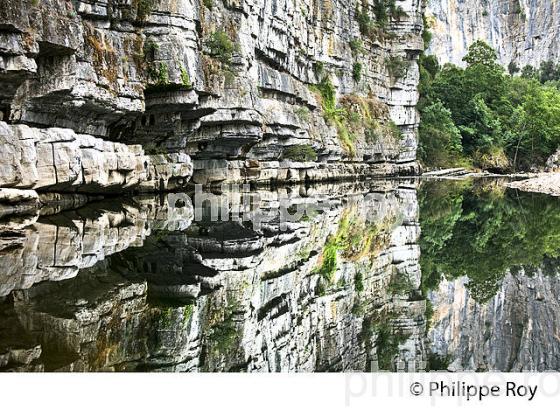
point(513, 68)
point(529, 72)
point(440, 139)
point(448, 86)
point(484, 128)
point(549, 71)
point(481, 53)
point(430, 64)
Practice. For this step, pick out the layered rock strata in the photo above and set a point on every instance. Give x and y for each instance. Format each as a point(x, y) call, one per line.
point(228, 83)
point(56, 247)
point(57, 159)
point(516, 331)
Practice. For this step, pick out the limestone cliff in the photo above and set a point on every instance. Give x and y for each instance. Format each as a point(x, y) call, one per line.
point(243, 87)
point(522, 31)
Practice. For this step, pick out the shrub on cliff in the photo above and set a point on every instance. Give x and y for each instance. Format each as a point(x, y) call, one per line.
point(397, 66)
point(144, 8)
point(300, 153)
point(357, 72)
point(220, 47)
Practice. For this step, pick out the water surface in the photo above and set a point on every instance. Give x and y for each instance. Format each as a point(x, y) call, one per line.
point(155, 284)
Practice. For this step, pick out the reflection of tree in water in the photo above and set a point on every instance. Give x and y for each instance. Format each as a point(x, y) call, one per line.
point(482, 231)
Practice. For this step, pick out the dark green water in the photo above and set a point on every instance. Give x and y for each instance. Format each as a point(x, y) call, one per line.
point(153, 283)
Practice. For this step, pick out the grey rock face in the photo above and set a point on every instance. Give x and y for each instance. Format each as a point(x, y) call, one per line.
point(18, 201)
point(222, 296)
point(517, 330)
point(60, 160)
point(151, 73)
point(553, 162)
point(522, 31)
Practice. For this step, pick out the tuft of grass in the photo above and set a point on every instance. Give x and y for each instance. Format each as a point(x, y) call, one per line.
point(329, 264)
point(394, 131)
point(187, 314)
point(399, 285)
point(356, 45)
point(354, 239)
point(159, 74)
point(355, 115)
point(327, 94)
point(302, 113)
point(397, 66)
point(365, 22)
point(145, 8)
point(224, 334)
point(185, 78)
point(370, 116)
point(387, 345)
point(159, 78)
point(359, 281)
point(150, 49)
point(319, 68)
point(333, 115)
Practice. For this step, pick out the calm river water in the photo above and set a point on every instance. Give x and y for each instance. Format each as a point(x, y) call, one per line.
point(384, 275)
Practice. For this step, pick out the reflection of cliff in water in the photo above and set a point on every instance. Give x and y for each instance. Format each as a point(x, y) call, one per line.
point(516, 330)
point(490, 266)
point(137, 285)
point(133, 286)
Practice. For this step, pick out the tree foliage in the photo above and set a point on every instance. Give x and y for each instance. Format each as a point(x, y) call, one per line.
point(505, 122)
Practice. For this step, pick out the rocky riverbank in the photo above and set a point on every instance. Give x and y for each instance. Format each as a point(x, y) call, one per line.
point(546, 183)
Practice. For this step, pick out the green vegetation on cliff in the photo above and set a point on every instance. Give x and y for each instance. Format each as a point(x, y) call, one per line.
point(483, 116)
point(356, 116)
point(300, 153)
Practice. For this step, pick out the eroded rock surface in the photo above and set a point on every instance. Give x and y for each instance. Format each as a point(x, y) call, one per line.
point(57, 159)
point(522, 31)
point(231, 85)
point(57, 247)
